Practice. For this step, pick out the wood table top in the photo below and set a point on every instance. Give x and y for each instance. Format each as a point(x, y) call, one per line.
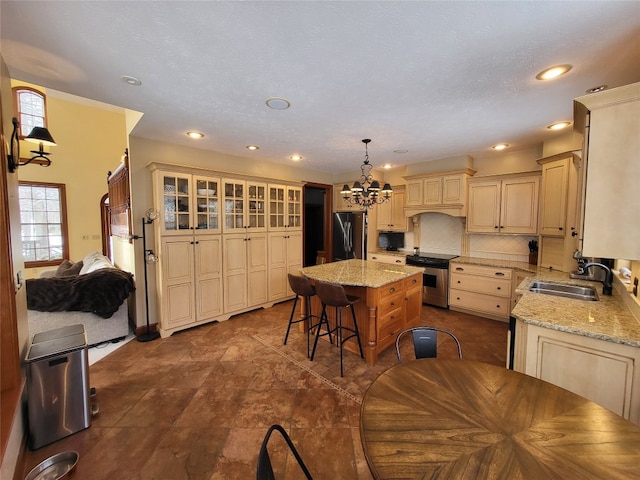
point(460, 419)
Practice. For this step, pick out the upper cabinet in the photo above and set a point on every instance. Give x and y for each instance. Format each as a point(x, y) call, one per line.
point(504, 204)
point(245, 205)
point(559, 218)
point(390, 214)
point(285, 207)
point(187, 203)
point(443, 192)
point(611, 123)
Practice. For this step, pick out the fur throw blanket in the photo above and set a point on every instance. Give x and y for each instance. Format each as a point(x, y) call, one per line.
point(100, 292)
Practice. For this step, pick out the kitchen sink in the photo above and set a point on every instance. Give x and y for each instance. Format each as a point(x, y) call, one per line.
point(564, 290)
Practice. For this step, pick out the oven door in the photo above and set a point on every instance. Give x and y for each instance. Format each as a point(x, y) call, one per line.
point(435, 286)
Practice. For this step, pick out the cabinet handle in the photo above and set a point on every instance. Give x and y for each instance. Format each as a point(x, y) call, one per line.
point(459, 269)
point(496, 226)
point(398, 261)
point(500, 274)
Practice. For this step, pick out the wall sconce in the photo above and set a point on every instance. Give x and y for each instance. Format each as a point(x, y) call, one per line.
point(41, 136)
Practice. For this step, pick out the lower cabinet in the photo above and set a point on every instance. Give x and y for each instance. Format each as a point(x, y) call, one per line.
point(245, 271)
point(285, 256)
point(190, 286)
point(481, 290)
point(605, 372)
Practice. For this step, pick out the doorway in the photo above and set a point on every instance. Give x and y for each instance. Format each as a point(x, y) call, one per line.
point(317, 223)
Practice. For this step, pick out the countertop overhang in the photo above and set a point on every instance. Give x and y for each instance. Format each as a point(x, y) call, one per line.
point(360, 273)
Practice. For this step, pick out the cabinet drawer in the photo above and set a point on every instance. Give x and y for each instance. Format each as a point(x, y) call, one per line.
point(390, 302)
point(389, 325)
point(480, 270)
point(390, 289)
point(385, 258)
point(472, 283)
point(498, 306)
point(412, 283)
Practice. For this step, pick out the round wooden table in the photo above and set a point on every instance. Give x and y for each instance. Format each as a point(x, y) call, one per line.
point(459, 419)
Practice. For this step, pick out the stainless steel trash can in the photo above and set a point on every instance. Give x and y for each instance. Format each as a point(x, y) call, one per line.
point(58, 392)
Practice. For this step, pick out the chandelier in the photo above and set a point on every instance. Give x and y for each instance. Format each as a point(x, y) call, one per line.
point(366, 192)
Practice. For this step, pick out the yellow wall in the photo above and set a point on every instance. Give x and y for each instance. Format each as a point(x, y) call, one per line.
point(91, 138)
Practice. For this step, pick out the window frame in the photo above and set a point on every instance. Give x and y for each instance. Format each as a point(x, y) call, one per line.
point(64, 225)
point(18, 111)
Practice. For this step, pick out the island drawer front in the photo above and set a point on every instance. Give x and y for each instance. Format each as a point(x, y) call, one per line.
point(390, 302)
point(478, 301)
point(389, 325)
point(413, 282)
point(492, 286)
point(390, 289)
point(480, 270)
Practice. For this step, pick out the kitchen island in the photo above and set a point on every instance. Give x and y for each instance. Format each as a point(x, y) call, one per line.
point(591, 348)
point(390, 300)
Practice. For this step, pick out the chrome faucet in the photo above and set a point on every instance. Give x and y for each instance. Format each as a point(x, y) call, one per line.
point(607, 283)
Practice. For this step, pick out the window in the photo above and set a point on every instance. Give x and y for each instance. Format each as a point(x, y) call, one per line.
point(31, 109)
point(43, 215)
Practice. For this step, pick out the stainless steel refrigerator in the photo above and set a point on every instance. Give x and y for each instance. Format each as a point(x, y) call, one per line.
point(349, 235)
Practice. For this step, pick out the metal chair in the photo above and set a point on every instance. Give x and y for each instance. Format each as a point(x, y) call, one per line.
point(334, 296)
point(265, 469)
point(425, 341)
point(302, 287)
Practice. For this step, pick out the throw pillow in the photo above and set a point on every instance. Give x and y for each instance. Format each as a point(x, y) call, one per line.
point(68, 268)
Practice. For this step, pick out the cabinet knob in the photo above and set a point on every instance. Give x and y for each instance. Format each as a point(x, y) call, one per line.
point(392, 289)
point(499, 288)
point(496, 226)
point(457, 298)
point(458, 281)
point(393, 304)
point(497, 306)
point(559, 228)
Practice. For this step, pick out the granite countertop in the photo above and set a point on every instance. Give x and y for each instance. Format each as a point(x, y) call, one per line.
point(608, 319)
point(360, 273)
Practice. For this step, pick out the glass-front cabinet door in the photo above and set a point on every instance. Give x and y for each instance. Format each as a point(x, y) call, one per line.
point(294, 207)
point(257, 206)
point(207, 200)
point(176, 211)
point(234, 205)
point(276, 207)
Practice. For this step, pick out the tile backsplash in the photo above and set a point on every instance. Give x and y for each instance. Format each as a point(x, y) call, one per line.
point(440, 233)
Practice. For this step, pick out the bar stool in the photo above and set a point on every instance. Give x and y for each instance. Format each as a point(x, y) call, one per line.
point(302, 288)
point(334, 296)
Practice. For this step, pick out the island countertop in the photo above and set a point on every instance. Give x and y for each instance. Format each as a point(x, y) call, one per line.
point(359, 273)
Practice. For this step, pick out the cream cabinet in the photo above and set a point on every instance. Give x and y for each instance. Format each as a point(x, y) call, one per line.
point(285, 207)
point(390, 214)
point(186, 202)
point(612, 142)
point(339, 203)
point(387, 258)
point(244, 271)
point(285, 256)
point(190, 283)
point(607, 373)
point(560, 201)
point(480, 290)
point(503, 204)
point(245, 205)
point(444, 192)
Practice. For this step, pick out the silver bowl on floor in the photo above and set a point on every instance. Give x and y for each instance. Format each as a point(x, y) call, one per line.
point(58, 466)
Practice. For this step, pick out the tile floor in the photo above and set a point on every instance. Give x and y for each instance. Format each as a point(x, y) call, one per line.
point(196, 405)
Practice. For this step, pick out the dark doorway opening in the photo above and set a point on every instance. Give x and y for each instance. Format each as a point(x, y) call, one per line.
point(317, 225)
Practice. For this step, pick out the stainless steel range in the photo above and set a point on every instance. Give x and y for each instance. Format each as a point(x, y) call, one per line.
point(435, 278)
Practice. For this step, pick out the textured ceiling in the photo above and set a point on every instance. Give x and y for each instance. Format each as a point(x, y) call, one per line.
point(438, 79)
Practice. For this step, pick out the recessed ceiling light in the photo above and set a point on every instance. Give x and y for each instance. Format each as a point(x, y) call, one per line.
point(500, 146)
point(553, 72)
point(558, 125)
point(278, 103)
point(131, 80)
point(253, 147)
point(597, 89)
point(387, 166)
point(295, 157)
point(195, 134)
point(400, 151)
